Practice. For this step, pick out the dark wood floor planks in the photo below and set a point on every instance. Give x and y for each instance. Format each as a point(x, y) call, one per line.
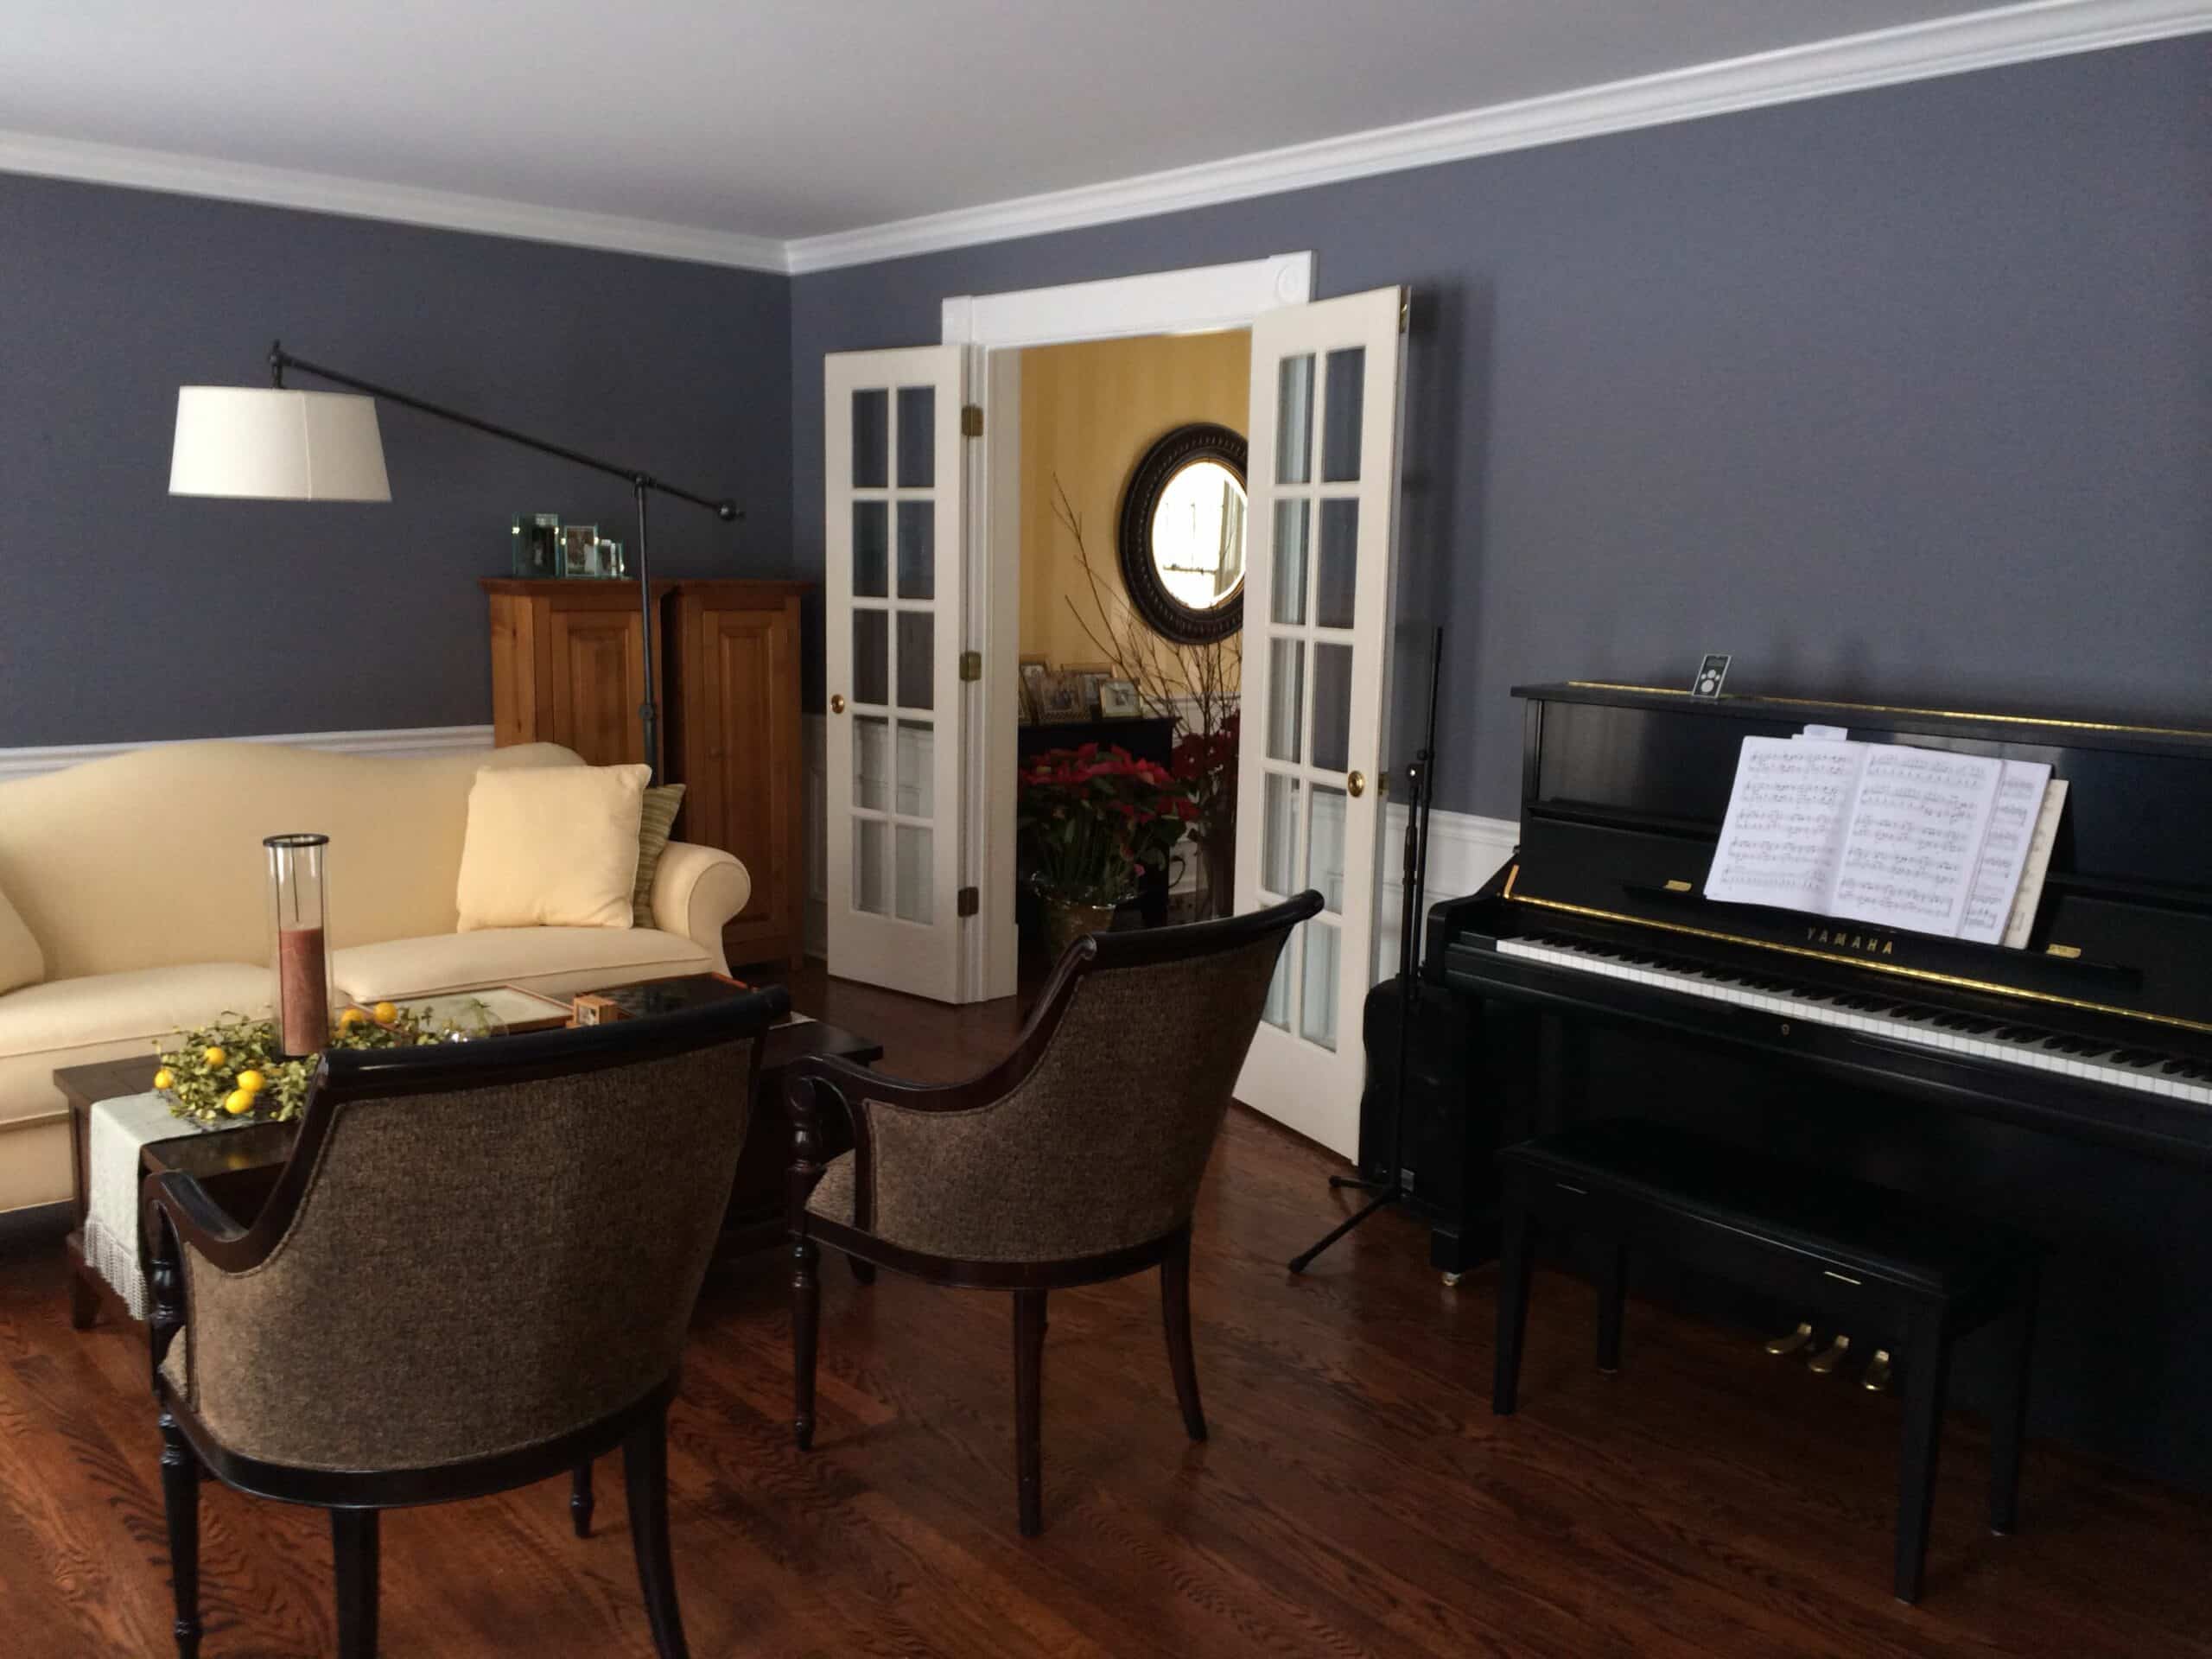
point(1356, 1498)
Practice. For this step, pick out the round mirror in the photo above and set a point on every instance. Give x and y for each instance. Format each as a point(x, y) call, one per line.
point(1182, 534)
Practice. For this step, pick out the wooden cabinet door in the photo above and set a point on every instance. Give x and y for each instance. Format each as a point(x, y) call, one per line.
point(596, 661)
point(743, 773)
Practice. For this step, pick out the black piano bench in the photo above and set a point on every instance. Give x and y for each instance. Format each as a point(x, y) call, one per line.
point(1872, 1261)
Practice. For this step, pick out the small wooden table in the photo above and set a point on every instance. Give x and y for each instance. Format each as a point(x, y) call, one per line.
point(240, 1166)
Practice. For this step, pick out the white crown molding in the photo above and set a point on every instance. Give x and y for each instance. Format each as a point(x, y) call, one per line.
point(1193, 301)
point(326, 192)
point(1888, 57)
point(1980, 39)
point(396, 741)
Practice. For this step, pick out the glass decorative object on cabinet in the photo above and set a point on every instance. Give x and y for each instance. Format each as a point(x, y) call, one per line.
point(298, 912)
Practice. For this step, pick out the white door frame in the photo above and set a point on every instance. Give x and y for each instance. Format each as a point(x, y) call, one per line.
point(1197, 299)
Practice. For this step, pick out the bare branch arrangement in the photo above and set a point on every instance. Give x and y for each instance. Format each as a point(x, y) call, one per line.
point(1196, 686)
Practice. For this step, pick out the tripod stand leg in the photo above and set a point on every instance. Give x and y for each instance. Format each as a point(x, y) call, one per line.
point(1388, 1195)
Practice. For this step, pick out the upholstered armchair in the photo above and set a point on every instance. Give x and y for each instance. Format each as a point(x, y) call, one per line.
point(1075, 1160)
point(474, 1272)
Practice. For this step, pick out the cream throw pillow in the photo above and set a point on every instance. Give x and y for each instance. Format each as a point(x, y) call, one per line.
point(21, 962)
point(551, 847)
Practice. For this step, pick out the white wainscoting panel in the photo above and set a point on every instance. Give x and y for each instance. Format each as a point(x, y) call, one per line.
point(1465, 850)
point(401, 740)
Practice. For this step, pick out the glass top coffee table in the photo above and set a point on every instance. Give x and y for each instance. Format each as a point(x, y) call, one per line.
point(240, 1166)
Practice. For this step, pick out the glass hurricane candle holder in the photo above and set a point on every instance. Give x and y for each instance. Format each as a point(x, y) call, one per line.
point(298, 909)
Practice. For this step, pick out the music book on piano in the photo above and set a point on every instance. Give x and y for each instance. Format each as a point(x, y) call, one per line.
point(1928, 840)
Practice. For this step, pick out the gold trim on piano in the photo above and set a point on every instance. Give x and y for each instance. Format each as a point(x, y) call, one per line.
point(1901, 709)
point(1926, 974)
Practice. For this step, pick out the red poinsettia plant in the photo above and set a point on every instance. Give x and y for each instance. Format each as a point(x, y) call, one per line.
point(1091, 820)
point(1206, 765)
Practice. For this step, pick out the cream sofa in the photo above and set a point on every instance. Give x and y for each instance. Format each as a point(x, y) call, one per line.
point(143, 879)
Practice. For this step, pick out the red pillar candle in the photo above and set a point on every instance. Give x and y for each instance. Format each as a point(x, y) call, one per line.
point(297, 915)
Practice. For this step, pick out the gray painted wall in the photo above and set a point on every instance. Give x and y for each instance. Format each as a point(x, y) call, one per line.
point(129, 614)
point(1907, 392)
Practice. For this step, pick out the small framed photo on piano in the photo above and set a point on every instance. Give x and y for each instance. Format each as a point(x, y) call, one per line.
point(1710, 673)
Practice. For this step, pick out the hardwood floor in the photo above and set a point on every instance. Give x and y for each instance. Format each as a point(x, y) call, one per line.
point(1356, 1497)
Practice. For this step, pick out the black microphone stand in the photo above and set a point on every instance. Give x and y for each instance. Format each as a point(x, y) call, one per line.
point(1417, 778)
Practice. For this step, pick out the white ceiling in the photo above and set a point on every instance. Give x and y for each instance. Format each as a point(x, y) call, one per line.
point(795, 119)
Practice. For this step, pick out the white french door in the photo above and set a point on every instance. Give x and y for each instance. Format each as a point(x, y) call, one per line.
point(1323, 487)
point(892, 579)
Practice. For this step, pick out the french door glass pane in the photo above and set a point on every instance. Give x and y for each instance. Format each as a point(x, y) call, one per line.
point(872, 763)
point(917, 641)
point(917, 437)
point(871, 856)
point(1278, 835)
point(1294, 420)
point(1317, 1019)
point(917, 770)
point(1286, 696)
point(1332, 706)
point(916, 549)
point(1336, 566)
point(1340, 421)
point(1325, 847)
point(1277, 1011)
point(871, 439)
point(871, 549)
point(871, 657)
point(914, 896)
point(1293, 514)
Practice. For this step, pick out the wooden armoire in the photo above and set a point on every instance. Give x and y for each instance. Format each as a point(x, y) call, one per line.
point(565, 669)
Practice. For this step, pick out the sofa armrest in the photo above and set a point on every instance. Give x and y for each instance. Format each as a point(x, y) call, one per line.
point(696, 891)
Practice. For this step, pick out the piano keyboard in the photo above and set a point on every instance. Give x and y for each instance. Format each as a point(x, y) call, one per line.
point(2143, 1069)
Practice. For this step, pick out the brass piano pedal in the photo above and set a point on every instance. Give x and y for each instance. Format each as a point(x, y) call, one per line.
point(1790, 1343)
point(1877, 1380)
point(1830, 1357)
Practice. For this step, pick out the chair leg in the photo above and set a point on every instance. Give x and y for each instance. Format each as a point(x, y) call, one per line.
point(1028, 1402)
point(1928, 1360)
point(806, 1320)
point(580, 1498)
point(1516, 1231)
point(644, 1476)
point(353, 1542)
point(2008, 1417)
point(181, 1499)
point(1612, 1287)
point(1175, 1315)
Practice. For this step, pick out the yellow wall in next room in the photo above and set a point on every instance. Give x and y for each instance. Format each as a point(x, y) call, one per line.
point(1088, 412)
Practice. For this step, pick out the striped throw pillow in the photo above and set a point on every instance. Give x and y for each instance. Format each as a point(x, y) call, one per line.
point(661, 803)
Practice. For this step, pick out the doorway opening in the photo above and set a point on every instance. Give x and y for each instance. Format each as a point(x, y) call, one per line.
point(1126, 512)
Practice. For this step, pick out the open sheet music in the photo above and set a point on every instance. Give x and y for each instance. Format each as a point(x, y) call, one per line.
point(1923, 839)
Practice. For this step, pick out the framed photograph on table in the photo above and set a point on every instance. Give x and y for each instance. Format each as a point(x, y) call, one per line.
point(1033, 671)
point(1118, 700)
point(1090, 676)
point(1060, 701)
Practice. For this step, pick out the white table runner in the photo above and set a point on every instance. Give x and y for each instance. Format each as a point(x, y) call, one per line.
point(119, 1129)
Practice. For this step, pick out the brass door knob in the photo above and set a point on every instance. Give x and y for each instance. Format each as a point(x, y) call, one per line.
point(1356, 785)
point(836, 702)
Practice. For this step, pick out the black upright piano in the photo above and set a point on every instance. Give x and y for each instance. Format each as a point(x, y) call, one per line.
point(2066, 1086)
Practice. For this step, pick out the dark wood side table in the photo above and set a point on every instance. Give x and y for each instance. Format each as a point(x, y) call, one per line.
point(240, 1166)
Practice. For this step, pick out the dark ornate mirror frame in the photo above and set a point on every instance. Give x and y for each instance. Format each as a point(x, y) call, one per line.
point(1161, 610)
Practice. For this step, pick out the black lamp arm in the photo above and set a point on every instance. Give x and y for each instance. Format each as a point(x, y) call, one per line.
point(280, 359)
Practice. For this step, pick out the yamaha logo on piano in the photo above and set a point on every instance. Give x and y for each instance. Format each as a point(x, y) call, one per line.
point(1836, 939)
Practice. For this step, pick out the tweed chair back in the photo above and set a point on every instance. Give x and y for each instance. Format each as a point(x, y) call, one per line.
point(473, 1270)
point(1102, 1144)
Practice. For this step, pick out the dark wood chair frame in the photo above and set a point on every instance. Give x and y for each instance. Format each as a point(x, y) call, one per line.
point(1030, 1281)
point(178, 1212)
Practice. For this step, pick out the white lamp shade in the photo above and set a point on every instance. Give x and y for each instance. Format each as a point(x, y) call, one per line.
point(270, 444)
